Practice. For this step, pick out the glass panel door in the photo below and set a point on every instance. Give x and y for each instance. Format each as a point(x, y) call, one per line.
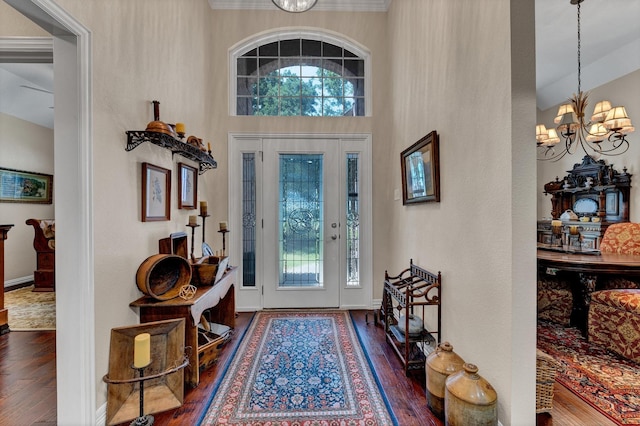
point(300, 220)
point(302, 217)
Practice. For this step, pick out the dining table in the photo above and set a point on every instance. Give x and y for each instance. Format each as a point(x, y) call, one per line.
point(584, 267)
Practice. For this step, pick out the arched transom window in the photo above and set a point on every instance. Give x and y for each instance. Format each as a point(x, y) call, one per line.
point(300, 76)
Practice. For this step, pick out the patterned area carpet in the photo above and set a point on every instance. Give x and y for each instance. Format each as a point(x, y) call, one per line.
point(299, 369)
point(604, 380)
point(30, 310)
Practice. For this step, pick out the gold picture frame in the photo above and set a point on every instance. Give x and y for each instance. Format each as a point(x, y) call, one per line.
point(20, 186)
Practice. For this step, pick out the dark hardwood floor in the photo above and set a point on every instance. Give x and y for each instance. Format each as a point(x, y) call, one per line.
point(28, 389)
point(28, 378)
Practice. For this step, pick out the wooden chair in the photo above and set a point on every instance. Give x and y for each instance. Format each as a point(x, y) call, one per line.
point(44, 243)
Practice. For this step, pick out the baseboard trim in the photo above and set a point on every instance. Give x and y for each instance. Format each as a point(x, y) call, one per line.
point(101, 415)
point(17, 283)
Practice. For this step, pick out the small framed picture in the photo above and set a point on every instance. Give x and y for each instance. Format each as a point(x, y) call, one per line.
point(420, 164)
point(187, 186)
point(156, 193)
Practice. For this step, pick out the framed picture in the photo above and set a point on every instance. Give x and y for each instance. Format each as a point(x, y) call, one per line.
point(420, 164)
point(156, 193)
point(187, 186)
point(19, 186)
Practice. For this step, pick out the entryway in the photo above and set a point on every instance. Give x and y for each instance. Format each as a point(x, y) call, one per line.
point(300, 206)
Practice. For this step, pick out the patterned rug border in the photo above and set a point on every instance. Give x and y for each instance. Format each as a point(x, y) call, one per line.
point(240, 342)
point(373, 372)
point(577, 389)
point(225, 370)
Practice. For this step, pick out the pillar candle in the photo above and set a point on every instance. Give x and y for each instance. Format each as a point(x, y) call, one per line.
point(203, 208)
point(193, 220)
point(223, 226)
point(142, 350)
point(556, 223)
point(179, 127)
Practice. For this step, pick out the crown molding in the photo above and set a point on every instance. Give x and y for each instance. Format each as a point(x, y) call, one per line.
point(26, 49)
point(322, 5)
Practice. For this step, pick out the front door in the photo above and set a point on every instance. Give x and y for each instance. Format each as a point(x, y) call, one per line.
point(300, 220)
point(301, 223)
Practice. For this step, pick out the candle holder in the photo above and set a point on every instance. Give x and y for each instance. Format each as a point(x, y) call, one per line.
point(204, 217)
point(556, 236)
point(145, 420)
point(224, 232)
point(193, 227)
point(142, 420)
point(575, 237)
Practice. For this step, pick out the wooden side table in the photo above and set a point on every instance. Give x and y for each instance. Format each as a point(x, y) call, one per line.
point(4, 314)
point(220, 299)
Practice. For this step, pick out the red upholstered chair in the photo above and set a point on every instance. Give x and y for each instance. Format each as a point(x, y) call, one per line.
point(614, 321)
point(622, 238)
point(555, 300)
point(614, 313)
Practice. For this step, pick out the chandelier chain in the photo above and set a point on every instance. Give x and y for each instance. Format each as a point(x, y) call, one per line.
point(608, 125)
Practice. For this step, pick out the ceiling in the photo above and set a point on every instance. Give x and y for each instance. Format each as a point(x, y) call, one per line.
point(610, 48)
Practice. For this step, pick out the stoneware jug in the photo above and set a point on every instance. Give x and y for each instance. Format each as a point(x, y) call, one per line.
point(440, 364)
point(469, 399)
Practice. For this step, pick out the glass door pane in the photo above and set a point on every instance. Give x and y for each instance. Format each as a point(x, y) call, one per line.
point(300, 235)
point(249, 206)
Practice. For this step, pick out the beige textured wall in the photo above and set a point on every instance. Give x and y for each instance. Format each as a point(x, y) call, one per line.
point(453, 71)
point(180, 58)
point(622, 91)
point(15, 25)
point(23, 146)
point(142, 50)
point(365, 29)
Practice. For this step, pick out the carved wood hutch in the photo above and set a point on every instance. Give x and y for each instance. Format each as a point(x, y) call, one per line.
point(597, 193)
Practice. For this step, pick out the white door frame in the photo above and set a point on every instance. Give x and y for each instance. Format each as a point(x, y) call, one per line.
point(250, 298)
point(73, 166)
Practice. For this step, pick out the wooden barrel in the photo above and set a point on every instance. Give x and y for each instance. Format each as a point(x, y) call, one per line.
point(161, 276)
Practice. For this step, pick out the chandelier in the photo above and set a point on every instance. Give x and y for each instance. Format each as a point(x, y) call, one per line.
point(605, 134)
point(295, 5)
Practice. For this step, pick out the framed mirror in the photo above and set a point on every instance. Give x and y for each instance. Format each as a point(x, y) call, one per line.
point(420, 164)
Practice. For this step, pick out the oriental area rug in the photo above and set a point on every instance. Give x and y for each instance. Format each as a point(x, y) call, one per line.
point(29, 310)
point(604, 380)
point(299, 369)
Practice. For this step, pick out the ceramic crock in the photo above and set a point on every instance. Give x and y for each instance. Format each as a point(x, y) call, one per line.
point(440, 364)
point(469, 399)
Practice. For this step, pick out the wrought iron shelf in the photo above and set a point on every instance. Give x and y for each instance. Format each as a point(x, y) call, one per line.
point(204, 158)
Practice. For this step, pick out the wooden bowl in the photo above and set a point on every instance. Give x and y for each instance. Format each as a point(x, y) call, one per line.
point(161, 127)
point(161, 276)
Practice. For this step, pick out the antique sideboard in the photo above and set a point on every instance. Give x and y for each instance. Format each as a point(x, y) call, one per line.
point(596, 193)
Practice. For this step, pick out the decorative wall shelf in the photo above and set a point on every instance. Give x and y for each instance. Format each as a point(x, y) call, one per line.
point(204, 158)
